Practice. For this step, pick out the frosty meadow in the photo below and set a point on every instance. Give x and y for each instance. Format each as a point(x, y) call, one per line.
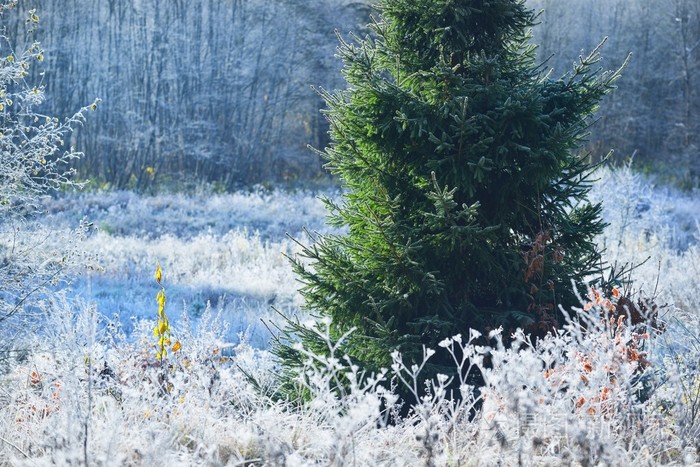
point(91, 384)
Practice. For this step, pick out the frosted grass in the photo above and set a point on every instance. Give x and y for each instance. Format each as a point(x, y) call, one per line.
point(91, 392)
point(270, 214)
point(656, 231)
point(224, 249)
point(228, 249)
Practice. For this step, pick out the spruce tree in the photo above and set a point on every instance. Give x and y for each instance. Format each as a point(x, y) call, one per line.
point(465, 192)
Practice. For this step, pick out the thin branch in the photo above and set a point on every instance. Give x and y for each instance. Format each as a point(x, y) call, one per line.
point(9, 443)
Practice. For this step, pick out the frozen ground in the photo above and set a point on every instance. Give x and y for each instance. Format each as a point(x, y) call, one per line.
point(93, 391)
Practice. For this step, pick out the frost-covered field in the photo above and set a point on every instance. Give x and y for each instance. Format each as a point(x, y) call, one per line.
point(226, 250)
point(92, 391)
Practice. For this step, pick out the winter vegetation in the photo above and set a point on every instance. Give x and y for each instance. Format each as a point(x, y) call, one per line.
point(151, 326)
point(89, 389)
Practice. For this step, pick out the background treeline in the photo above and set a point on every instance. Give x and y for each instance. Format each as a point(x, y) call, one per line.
point(220, 90)
point(655, 112)
point(193, 90)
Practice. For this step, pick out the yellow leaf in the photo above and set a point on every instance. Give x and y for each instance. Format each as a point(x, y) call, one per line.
point(176, 346)
point(159, 273)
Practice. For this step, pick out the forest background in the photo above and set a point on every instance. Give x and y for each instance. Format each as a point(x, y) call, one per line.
point(220, 92)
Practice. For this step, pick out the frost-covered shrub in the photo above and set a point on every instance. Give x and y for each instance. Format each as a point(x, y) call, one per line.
point(34, 159)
